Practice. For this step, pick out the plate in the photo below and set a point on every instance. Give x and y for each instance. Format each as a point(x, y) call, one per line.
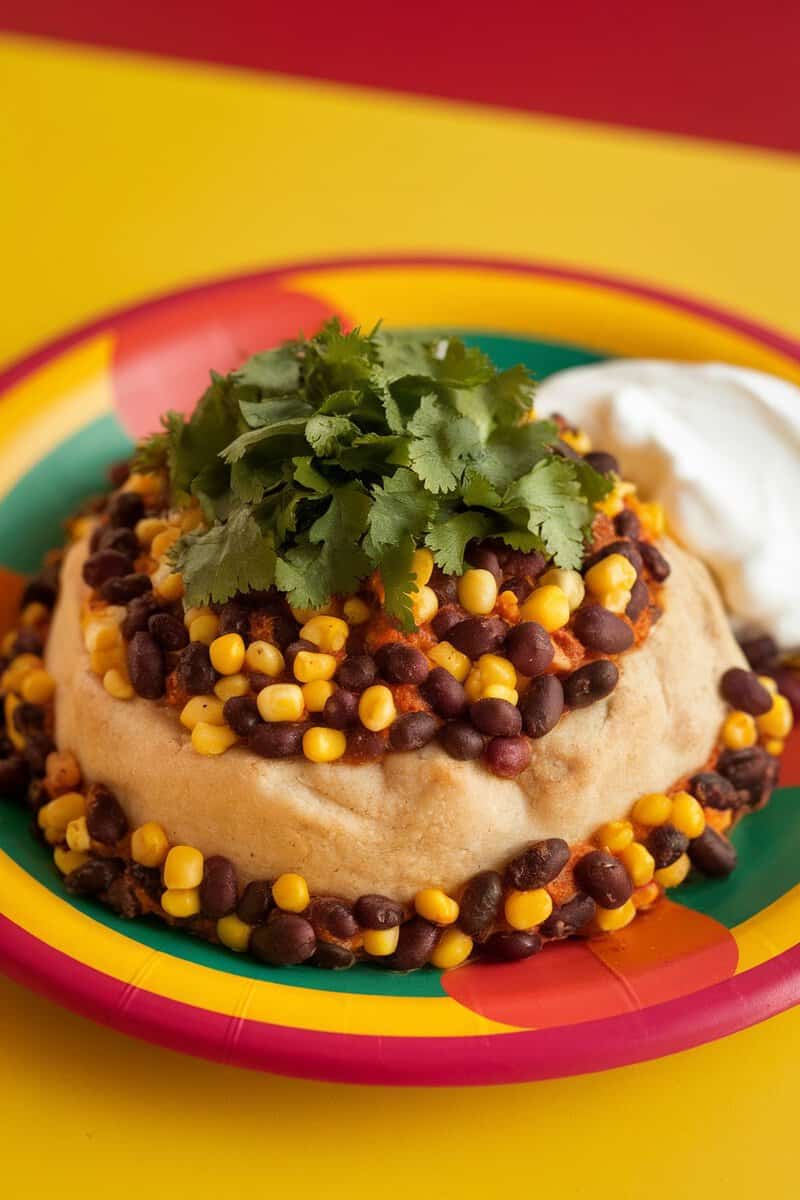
point(714, 958)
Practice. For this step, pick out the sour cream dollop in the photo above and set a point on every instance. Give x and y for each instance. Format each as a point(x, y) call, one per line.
point(719, 446)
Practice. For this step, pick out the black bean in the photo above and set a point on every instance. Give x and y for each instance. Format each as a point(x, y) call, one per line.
point(445, 620)
point(170, 632)
point(341, 710)
point(529, 648)
point(461, 740)
point(377, 912)
point(445, 587)
point(521, 588)
point(357, 673)
point(278, 739)
point(126, 508)
point(285, 629)
point(14, 776)
point(760, 652)
point(119, 472)
point(743, 690)
point(334, 917)
point(602, 461)
point(655, 562)
point(255, 902)
point(481, 903)
point(331, 957)
point(234, 617)
point(788, 683)
point(138, 614)
point(241, 713)
point(640, 598)
point(194, 671)
point(124, 541)
point(365, 746)
point(604, 878)
point(104, 565)
point(542, 705)
point(496, 717)
point(478, 635)
point(401, 663)
point(537, 865)
point(41, 590)
point(147, 878)
point(258, 681)
point(37, 747)
point(93, 877)
point(527, 565)
point(569, 918)
point(484, 559)
point(27, 641)
point(126, 588)
point(146, 666)
point(105, 819)
point(712, 853)
point(286, 940)
point(218, 892)
point(666, 844)
point(591, 683)
point(416, 943)
point(294, 648)
point(512, 947)
point(714, 791)
point(28, 718)
point(507, 757)
point(444, 693)
point(746, 770)
point(622, 546)
point(601, 630)
point(121, 895)
point(412, 731)
point(627, 524)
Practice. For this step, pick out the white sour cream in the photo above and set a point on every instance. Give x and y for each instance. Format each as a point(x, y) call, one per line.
point(719, 446)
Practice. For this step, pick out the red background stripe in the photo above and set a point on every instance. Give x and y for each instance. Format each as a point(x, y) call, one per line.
point(713, 68)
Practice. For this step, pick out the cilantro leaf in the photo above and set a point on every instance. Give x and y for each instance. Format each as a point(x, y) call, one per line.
point(324, 434)
point(399, 584)
point(442, 444)
point(550, 498)
point(273, 372)
point(232, 556)
point(447, 538)
point(511, 452)
point(401, 508)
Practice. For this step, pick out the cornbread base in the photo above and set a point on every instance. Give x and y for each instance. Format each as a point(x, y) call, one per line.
point(414, 818)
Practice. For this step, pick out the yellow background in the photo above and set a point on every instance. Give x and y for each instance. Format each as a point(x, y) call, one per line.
point(124, 176)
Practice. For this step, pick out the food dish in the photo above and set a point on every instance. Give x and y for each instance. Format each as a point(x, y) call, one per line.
point(508, 633)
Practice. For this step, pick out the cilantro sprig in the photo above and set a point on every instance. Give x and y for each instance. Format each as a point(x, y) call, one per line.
point(329, 458)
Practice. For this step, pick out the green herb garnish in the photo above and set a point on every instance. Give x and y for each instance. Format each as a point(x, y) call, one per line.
point(331, 457)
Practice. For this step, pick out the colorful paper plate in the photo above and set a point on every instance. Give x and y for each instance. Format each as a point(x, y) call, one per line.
point(716, 958)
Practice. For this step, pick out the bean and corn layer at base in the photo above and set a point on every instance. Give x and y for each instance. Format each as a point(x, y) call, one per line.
point(358, 547)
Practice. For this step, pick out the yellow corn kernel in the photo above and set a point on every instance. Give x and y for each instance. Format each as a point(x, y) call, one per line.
point(230, 686)
point(376, 708)
point(227, 653)
point(548, 606)
point(645, 897)
point(181, 902)
point(290, 891)
point(58, 813)
point(653, 518)
point(118, 685)
point(775, 747)
point(281, 702)
point(204, 629)
point(653, 809)
point(162, 541)
point(78, 835)
point(322, 745)
point(143, 483)
point(609, 920)
point(435, 905)
point(443, 654)
point(34, 614)
point(183, 868)
point(616, 601)
point(309, 665)
point(264, 657)
point(615, 835)
point(769, 683)
point(524, 910)
point(578, 439)
point(477, 591)
point(68, 860)
point(613, 503)
point(452, 949)
point(473, 685)
point(7, 644)
point(570, 582)
point(317, 694)
point(38, 687)
point(170, 587)
point(212, 739)
point(149, 845)
point(192, 614)
point(638, 862)
point(101, 634)
point(233, 933)
point(17, 669)
point(303, 615)
point(739, 731)
point(610, 574)
point(202, 708)
point(778, 722)
point(425, 605)
point(495, 669)
point(422, 566)
point(498, 691)
point(381, 942)
point(687, 815)
point(671, 876)
point(101, 661)
point(327, 633)
point(356, 611)
point(148, 528)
